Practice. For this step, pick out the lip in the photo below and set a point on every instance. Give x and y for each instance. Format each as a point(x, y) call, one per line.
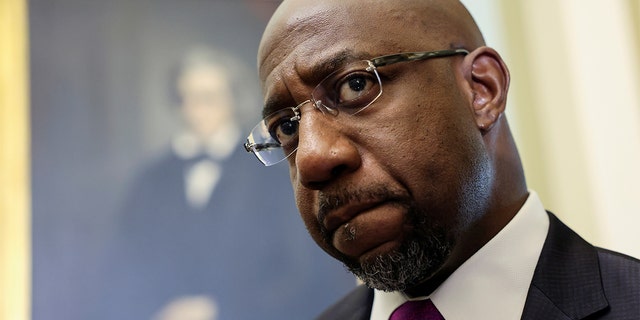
point(364, 228)
point(344, 214)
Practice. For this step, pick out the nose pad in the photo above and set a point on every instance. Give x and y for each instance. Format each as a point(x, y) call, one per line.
point(324, 109)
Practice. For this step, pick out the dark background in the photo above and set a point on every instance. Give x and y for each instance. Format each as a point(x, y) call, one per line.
point(100, 108)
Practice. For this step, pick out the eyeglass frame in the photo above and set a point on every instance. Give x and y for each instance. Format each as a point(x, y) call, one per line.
point(373, 64)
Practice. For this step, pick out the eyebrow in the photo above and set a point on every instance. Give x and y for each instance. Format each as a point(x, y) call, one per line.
point(273, 104)
point(331, 64)
point(316, 74)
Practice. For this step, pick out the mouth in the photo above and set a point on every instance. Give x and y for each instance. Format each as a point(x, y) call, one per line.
point(332, 220)
point(364, 229)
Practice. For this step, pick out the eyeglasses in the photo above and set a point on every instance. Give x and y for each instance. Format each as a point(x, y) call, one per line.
point(349, 90)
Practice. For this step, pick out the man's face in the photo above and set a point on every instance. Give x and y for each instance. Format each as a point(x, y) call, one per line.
point(206, 99)
point(393, 191)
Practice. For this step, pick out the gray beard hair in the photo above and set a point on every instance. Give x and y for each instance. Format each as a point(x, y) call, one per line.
point(406, 266)
point(419, 257)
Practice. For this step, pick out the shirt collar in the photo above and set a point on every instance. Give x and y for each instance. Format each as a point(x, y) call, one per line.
point(493, 283)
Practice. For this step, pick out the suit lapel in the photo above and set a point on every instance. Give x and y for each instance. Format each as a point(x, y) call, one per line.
point(355, 306)
point(566, 283)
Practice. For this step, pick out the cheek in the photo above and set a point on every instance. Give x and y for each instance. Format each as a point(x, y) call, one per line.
point(434, 150)
point(453, 176)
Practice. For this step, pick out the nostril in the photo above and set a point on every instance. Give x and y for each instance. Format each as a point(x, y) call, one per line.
point(315, 185)
point(338, 170)
point(321, 181)
point(324, 152)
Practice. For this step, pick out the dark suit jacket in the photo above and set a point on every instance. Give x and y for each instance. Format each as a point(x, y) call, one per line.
point(247, 244)
point(573, 280)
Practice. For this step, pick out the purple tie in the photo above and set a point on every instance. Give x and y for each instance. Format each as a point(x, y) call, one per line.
point(416, 310)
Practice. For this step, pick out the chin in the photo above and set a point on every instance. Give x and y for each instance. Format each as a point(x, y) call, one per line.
point(404, 267)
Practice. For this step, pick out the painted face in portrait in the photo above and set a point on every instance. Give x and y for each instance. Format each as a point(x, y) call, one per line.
point(206, 99)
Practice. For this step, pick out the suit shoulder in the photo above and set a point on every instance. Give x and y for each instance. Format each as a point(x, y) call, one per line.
point(619, 265)
point(621, 281)
point(616, 257)
point(356, 305)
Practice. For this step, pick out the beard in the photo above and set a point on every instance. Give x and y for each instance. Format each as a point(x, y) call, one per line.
point(415, 260)
point(419, 256)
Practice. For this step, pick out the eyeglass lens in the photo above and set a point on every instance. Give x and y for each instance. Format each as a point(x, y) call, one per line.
point(348, 90)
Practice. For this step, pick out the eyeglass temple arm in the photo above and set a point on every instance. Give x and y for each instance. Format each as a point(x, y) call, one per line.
point(412, 56)
point(257, 147)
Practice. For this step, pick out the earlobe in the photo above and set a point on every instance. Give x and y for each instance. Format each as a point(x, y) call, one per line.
point(489, 83)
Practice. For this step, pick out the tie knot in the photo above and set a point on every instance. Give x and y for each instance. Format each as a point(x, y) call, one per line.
point(416, 310)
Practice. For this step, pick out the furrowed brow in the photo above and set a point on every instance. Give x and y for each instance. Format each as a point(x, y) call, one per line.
point(331, 64)
point(273, 104)
point(313, 76)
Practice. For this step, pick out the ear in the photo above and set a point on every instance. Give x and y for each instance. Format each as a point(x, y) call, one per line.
point(488, 79)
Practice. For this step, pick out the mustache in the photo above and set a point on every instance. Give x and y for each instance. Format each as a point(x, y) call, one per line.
point(330, 201)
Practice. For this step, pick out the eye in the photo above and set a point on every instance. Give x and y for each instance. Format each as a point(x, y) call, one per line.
point(354, 88)
point(283, 128)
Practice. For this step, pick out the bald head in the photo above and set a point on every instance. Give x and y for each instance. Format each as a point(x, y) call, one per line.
point(426, 23)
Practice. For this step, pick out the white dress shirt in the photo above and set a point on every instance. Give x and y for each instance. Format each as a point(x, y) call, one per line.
point(201, 178)
point(493, 283)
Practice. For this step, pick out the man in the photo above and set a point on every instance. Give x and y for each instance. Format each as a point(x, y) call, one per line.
point(390, 115)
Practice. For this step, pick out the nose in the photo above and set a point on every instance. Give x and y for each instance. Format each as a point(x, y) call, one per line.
point(324, 151)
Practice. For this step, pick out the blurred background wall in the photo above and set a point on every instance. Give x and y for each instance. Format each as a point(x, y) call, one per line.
point(115, 232)
point(15, 260)
point(574, 107)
